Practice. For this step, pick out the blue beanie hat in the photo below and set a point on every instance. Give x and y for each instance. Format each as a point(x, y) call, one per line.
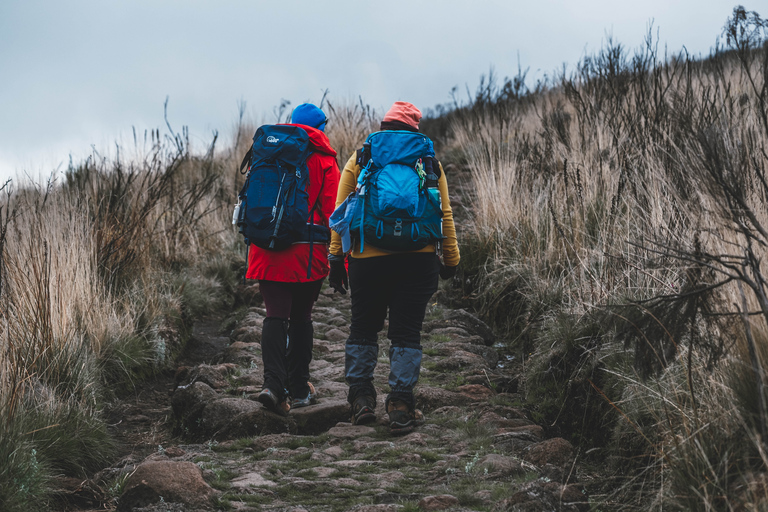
point(309, 115)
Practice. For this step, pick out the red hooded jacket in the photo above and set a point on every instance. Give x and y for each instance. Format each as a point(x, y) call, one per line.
point(290, 265)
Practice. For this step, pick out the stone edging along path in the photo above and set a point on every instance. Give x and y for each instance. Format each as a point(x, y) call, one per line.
point(205, 443)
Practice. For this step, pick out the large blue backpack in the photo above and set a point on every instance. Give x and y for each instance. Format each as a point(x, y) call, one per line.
point(397, 203)
point(274, 205)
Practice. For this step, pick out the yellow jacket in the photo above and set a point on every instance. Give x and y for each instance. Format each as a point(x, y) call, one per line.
point(450, 246)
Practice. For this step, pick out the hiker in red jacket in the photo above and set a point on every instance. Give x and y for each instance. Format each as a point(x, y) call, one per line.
point(289, 294)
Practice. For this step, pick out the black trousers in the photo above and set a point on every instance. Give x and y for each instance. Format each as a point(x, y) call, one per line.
point(287, 335)
point(401, 285)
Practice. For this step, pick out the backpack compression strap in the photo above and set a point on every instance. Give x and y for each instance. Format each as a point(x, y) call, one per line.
point(246, 159)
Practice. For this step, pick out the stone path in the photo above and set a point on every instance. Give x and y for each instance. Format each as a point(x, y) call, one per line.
point(216, 448)
point(199, 440)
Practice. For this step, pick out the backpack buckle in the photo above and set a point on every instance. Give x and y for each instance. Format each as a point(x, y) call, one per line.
point(398, 227)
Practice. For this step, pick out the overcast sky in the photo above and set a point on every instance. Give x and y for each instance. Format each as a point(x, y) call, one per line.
point(78, 73)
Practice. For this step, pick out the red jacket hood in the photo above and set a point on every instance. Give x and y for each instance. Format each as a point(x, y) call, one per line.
point(318, 139)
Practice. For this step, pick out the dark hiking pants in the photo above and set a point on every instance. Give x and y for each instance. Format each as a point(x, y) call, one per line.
point(401, 284)
point(287, 335)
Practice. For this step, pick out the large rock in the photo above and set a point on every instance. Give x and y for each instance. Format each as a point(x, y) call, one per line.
point(475, 391)
point(188, 403)
point(316, 419)
point(215, 376)
point(243, 353)
point(167, 481)
point(269, 441)
point(336, 334)
point(349, 431)
point(251, 480)
point(490, 356)
point(500, 465)
point(440, 502)
point(254, 422)
point(249, 377)
point(387, 479)
point(461, 360)
point(556, 451)
point(254, 318)
point(470, 323)
point(429, 398)
point(219, 413)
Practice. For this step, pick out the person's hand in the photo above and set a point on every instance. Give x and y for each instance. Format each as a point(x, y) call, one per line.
point(447, 272)
point(338, 277)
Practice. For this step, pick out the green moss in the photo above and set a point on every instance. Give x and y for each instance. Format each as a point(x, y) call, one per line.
point(305, 441)
point(341, 498)
point(222, 478)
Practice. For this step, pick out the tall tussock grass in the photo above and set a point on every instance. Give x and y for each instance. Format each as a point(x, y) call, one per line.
point(102, 271)
point(350, 123)
point(620, 214)
point(92, 298)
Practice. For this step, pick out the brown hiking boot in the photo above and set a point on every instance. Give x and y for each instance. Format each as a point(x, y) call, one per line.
point(363, 410)
point(401, 418)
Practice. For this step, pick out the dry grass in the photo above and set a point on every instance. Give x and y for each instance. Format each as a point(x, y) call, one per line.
point(90, 301)
point(99, 275)
point(349, 124)
point(624, 207)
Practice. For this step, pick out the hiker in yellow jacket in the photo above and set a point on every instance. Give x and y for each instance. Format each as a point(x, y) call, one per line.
point(398, 282)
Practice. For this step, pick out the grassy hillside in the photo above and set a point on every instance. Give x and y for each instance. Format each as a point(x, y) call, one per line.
point(617, 240)
point(102, 272)
point(619, 236)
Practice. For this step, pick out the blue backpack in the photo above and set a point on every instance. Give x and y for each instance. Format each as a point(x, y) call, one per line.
point(274, 210)
point(396, 204)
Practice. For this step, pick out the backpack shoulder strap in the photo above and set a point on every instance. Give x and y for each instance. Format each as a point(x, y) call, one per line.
point(435, 166)
point(363, 155)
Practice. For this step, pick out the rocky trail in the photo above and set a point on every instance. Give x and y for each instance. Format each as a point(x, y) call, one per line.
point(196, 438)
point(199, 440)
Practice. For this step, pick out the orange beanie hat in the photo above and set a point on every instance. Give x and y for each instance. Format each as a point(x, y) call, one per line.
point(405, 113)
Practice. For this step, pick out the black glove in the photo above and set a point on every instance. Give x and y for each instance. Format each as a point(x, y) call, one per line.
point(447, 272)
point(338, 277)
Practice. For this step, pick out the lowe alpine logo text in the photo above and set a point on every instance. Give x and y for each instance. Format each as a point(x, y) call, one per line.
point(272, 140)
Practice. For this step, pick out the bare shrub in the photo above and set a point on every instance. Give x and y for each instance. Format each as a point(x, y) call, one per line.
point(349, 123)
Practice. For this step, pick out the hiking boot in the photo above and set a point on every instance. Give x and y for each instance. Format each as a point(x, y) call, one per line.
point(401, 418)
point(304, 402)
point(269, 400)
point(363, 410)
